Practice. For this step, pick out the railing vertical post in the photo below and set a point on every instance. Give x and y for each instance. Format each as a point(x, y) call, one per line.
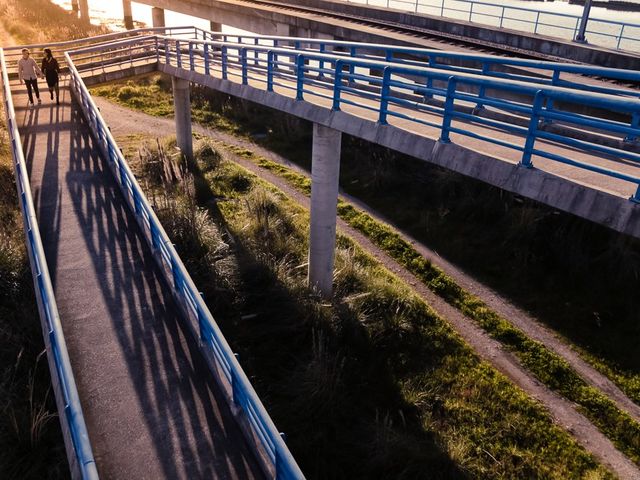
point(384, 96)
point(482, 91)
point(192, 64)
point(620, 36)
point(533, 130)
point(337, 85)
point(270, 56)
point(448, 110)
point(471, 11)
point(635, 123)
point(275, 58)
point(255, 54)
point(352, 68)
point(157, 49)
point(502, 17)
point(535, 28)
point(555, 79)
point(207, 69)
point(299, 77)
point(243, 64)
point(178, 54)
point(167, 52)
point(429, 95)
point(442, 9)
point(225, 61)
point(323, 48)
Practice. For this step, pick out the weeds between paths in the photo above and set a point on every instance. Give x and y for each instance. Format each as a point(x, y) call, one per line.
point(372, 384)
point(380, 173)
point(580, 279)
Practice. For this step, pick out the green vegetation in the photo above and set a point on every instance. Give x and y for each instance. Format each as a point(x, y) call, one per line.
point(577, 277)
point(372, 384)
point(395, 185)
point(551, 369)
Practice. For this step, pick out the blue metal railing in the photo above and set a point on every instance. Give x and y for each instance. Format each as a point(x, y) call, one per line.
point(412, 93)
point(536, 71)
point(608, 33)
point(71, 417)
point(401, 90)
point(280, 463)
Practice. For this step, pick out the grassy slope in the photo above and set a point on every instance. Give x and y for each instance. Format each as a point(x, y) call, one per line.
point(370, 385)
point(373, 173)
point(31, 444)
point(579, 278)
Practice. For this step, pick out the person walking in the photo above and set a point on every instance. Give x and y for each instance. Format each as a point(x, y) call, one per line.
point(51, 70)
point(28, 71)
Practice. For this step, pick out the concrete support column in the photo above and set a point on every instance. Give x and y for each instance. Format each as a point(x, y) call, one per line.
point(128, 14)
point(84, 10)
point(157, 17)
point(325, 174)
point(182, 105)
point(215, 26)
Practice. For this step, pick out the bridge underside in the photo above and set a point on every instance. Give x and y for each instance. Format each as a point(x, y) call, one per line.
point(590, 196)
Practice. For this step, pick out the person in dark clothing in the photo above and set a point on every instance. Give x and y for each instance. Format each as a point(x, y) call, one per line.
point(51, 70)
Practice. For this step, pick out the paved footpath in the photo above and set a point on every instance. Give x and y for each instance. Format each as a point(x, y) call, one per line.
point(151, 405)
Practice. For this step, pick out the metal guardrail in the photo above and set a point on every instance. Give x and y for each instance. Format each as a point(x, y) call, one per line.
point(280, 463)
point(347, 81)
point(406, 92)
point(534, 71)
point(609, 33)
point(79, 450)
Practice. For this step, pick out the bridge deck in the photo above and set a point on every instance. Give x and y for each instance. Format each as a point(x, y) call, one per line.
point(151, 405)
point(320, 95)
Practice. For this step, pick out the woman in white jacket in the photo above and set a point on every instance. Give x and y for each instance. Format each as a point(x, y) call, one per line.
point(28, 71)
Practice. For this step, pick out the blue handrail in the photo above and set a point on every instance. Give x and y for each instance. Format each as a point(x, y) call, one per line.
point(537, 71)
point(227, 370)
point(71, 416)
point(478, 11)
point(298, 70)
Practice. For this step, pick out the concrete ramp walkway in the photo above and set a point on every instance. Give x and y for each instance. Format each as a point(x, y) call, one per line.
point(151, 405)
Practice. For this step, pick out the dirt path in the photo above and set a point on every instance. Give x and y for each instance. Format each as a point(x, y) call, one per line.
point(124, 121)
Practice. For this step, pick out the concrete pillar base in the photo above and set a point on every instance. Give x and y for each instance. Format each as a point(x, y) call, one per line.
point(157, 17)
point(182, 105)
point(215, 26)
point(325, 175)
point(128, 14)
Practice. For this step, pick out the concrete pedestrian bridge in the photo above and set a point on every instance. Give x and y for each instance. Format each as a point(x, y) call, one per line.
point(146, 385)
